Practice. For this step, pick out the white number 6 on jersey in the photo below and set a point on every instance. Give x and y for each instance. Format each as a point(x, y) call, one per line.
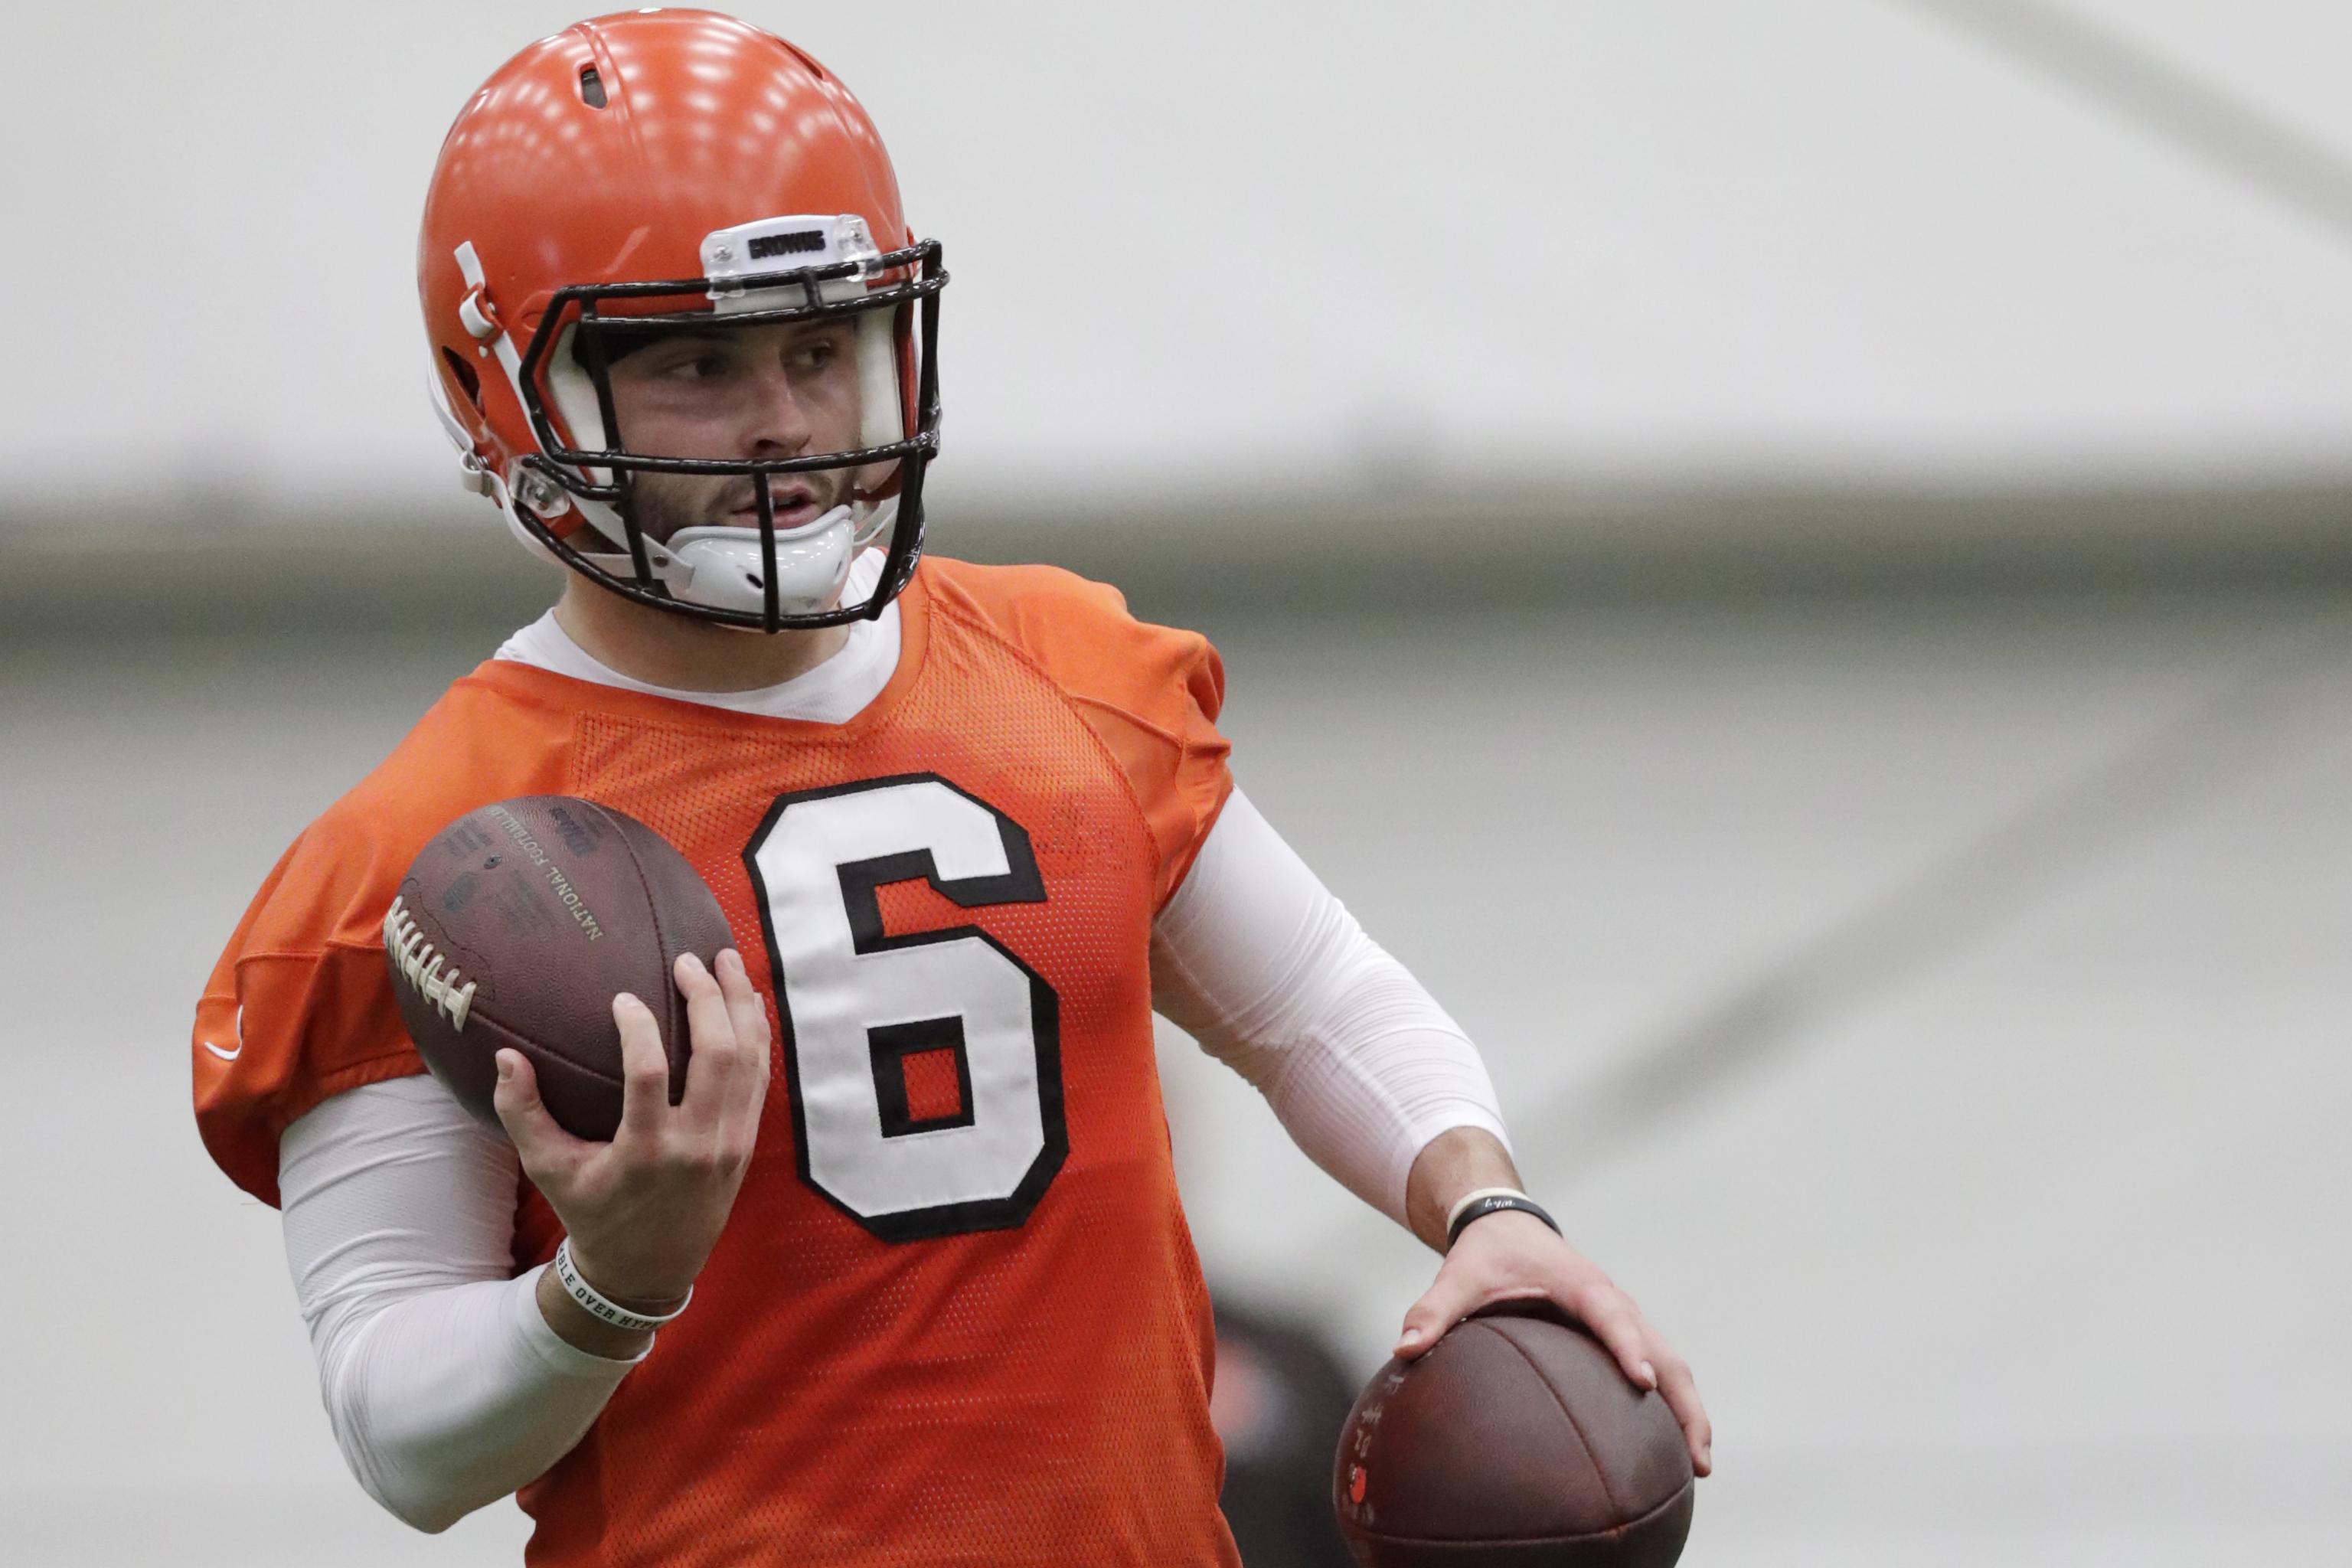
point(856, 1004)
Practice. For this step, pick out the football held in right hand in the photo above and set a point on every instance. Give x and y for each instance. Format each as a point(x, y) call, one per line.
point(644, 1211)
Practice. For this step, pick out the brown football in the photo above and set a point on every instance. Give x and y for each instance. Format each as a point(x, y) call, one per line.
point(518, 924)
point(1514, 1441)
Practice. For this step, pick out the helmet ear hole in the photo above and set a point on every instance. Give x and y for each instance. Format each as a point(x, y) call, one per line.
point(592, 87)
point(463, 375)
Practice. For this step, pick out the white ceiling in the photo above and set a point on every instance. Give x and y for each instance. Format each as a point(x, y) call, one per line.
point(1548, 239)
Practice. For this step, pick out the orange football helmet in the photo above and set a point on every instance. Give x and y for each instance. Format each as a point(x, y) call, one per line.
point(655, 171)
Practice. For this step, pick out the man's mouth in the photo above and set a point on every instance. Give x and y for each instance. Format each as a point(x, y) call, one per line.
point(794, 505)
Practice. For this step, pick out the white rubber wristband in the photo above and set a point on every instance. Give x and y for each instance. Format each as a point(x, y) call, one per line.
point(593, 1303)
point(1466, 1199)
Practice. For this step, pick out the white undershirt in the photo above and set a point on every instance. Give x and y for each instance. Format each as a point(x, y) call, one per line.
point(834, 693)
point(446, 1387)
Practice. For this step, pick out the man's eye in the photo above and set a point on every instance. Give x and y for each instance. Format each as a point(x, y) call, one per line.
point(828, 348)
point(701, 367)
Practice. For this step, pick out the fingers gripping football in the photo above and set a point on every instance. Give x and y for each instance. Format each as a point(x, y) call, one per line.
point(644, 1211)
point(1514, 1257)
point(1504, 1258)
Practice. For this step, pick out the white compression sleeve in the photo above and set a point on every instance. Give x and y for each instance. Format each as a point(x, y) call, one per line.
point(1258, 960)
point(445, 1385)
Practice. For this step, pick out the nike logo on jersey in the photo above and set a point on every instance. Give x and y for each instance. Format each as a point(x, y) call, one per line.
point(231, 1056)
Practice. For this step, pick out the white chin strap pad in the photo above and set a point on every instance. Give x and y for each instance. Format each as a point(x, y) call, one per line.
point(722, 567)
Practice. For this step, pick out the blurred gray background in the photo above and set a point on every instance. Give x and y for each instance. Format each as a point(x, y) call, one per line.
point(1793, 560)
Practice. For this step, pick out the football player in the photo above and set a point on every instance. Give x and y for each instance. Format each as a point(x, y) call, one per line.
point(933, 1301)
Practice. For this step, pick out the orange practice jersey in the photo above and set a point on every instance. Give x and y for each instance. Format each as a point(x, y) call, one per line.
point(956, 1316)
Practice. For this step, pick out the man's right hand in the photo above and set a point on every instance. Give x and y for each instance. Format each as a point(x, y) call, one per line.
point(644, 1211)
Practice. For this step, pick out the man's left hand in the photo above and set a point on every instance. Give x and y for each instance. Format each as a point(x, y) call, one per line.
point(1515, 1256)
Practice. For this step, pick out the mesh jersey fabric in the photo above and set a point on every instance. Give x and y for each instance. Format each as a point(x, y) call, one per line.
point(997, 1396)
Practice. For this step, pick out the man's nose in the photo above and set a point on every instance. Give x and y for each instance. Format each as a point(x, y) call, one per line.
point(779, 426)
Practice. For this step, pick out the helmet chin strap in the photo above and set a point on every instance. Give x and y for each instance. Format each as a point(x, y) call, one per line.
point(725, 567)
